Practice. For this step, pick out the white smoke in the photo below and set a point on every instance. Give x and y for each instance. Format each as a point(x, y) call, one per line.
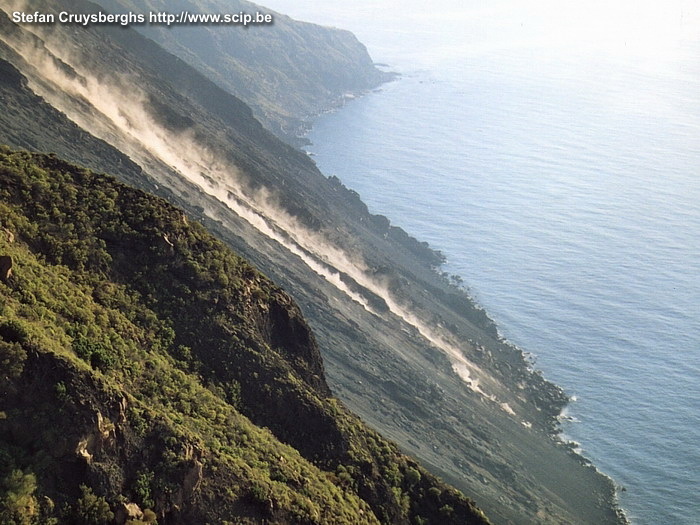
point(17, 5)
point(119, 115)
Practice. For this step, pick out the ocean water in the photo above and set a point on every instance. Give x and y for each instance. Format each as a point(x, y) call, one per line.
point(552, 152)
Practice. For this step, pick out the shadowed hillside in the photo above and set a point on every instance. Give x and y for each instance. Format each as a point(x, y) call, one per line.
point(277, 70)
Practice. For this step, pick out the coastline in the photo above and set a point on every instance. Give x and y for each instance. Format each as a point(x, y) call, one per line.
point(298, 137)
point(367, 354)
point(606, 489)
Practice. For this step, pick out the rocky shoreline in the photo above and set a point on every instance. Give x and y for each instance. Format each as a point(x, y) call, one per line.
point(315, 238)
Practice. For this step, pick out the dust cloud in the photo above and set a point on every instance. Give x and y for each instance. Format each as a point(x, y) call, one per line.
point(113, 109)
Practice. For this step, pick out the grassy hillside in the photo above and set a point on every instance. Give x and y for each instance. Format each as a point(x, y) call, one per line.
point(143, 362)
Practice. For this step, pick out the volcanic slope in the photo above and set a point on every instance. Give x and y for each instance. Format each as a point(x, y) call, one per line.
point(403, 348)
point(275, 69)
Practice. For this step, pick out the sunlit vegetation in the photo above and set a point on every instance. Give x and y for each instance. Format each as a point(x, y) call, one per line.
point(148, 374)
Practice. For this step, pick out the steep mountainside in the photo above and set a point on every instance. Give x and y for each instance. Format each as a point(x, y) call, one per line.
point(145, 361)
point(276, 69)
point(402, 347)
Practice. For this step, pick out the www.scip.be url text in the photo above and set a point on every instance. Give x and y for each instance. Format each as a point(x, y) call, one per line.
point(156, 18)
point(185, 17)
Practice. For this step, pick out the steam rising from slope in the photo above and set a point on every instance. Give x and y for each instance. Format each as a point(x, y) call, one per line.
point(18, 5)
point(113, 110)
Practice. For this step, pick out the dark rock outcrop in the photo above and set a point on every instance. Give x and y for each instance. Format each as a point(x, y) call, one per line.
point(5, 268)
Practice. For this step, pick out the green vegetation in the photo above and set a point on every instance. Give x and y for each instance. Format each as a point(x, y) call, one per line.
point(150, 374)
point(91, 509)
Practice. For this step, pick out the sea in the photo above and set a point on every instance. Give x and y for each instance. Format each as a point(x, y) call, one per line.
point(551, 150)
